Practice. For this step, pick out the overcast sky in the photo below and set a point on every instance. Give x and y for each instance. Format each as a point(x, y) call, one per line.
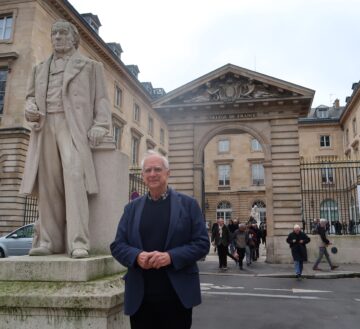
point(312, 43)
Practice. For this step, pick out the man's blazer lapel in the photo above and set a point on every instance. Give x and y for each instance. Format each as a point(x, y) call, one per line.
point(174, 215)
point(139, 206)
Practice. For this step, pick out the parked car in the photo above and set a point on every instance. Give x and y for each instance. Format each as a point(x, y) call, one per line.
point(17, 242)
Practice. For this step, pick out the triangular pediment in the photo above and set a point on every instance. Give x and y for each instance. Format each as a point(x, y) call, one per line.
point(233, 84)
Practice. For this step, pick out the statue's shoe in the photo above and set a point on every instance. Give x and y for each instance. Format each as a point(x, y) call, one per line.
point(40, 251)
point(79, 253)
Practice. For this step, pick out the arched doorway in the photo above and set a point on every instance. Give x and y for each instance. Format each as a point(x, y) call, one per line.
point(233, 171)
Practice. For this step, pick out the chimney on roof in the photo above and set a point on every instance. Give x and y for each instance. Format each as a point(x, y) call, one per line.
point(336, 104)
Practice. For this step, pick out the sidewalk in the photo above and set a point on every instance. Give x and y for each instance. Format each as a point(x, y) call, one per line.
point(262, 269)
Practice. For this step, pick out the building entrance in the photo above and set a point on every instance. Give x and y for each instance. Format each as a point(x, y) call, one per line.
point(232, 100)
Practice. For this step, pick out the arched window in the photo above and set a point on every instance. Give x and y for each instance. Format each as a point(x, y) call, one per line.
point(329, 210)
point(262, 209)
point(224, 210)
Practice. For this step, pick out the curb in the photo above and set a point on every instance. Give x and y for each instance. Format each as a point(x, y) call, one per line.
point(289, 275)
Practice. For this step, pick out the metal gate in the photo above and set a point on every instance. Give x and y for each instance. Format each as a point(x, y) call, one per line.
point(330, 189)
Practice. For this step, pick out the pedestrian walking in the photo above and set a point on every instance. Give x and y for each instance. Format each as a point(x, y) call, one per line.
point(323, 244)
point(240, 240)
point(220, 238)
point(297, 241)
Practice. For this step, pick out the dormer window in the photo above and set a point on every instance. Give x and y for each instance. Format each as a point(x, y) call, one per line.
point(322, 112)
point(93, 21)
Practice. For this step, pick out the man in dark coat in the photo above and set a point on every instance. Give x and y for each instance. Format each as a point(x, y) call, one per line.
point(297, 241)
point(160, 237)
point(220, 238)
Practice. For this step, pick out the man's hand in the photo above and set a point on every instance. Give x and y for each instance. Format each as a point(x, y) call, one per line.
point(96, 135)
point(159, 259)
point(143, 259)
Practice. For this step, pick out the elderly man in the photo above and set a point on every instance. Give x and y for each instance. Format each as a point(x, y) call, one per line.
point(68, 110)
point(323, 244)
point(220, 238)
point(160, 237)
point(297, 241)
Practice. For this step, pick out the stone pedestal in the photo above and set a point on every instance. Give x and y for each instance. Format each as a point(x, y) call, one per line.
point(107, 206)
point(60, 293)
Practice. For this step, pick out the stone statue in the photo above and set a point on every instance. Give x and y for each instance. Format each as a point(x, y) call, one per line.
point(255, 213)
point(69, 113)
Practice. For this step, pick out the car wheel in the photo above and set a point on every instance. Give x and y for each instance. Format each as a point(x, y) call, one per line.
point(2, 254)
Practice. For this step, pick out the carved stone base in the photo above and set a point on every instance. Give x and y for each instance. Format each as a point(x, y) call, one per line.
point(75, 304)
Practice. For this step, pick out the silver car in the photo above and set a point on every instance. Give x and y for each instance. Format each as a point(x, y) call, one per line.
point(17, 242)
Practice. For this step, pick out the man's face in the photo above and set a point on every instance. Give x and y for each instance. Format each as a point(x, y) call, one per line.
point(297, 230)
point(154, 174)
point(62, 38)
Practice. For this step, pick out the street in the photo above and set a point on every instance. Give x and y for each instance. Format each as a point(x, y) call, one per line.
point(233, 301)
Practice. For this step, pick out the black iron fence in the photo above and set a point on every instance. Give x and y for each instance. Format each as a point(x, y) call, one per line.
point(136, 184)
point(330, 189)
point(136, 188)
point(31, 213)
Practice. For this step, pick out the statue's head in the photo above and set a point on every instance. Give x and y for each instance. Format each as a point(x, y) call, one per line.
point(64, 36)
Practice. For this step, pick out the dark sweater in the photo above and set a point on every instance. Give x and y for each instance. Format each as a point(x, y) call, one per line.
point(154, 226)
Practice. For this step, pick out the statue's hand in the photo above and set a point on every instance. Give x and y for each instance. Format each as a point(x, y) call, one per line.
point(32, 113)
point(96, 135)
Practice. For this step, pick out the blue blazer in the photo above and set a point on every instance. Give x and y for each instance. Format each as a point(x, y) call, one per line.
point(187, 242)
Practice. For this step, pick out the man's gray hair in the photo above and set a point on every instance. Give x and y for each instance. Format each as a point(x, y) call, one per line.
point(150, 153)
point(74, 31)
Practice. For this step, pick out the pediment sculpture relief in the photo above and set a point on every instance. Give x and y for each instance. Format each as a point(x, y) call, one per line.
point(231, 89)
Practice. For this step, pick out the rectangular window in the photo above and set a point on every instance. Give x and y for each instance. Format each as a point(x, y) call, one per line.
point(346, 137)
point(6, 27)
point(322, 113)
point(257, 171)
point(325, 141)
point(327, 176)
point(150, 126)
point(117, 132)
point(3, 77)
point(354, 127)
point(255, 145)
point(134, 151)
point(118, 96)
point(224, 146)
point(136, 112)
point(162, 136)
point(224, 175)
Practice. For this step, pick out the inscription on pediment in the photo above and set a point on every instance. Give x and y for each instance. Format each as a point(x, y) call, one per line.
point(231, 88)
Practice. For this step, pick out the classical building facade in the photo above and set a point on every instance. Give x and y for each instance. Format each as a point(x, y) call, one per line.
point(235, 138)
point(25, 27)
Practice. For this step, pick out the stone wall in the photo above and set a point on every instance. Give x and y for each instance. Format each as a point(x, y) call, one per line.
point(13, 146)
